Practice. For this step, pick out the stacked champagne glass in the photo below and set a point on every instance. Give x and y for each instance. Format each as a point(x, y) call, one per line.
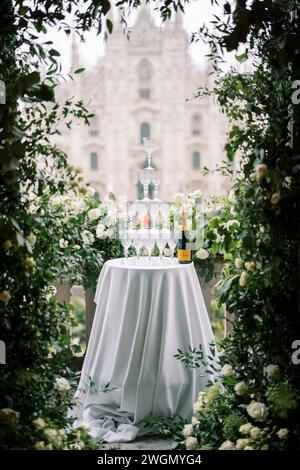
point(148, 219)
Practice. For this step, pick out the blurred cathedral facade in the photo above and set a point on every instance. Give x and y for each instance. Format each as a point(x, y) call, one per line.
point(146, 86)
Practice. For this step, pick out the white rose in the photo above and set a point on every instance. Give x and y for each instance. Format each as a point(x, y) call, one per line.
point(77, 206)
point(283, 433)
point(241, 444)
point(202, 254)
point(87, 237)
point(91, 191)
point(197, 406)
point(61, 384)
point(77, 445)
point(100, 229)
point(187, 430)
point(109, 232)
point(94, 214)
point(241, 388)
point(261, 171)
point(178, 198)
point(273, 371)
point(195, 421)
point(63, 243)
point(9, 416)
point(245, 428)
point(31, 238)
point(227, 370)
point(238, 262)
point(227, 445)
point(51, 292)
point(243, 279)
point(276, 197)
point(255, 433)
point(39, 423)
point(191, 443)
point(51, 434)
point(250, 266)
point(40, 445)
point(5, 296)
point(197, 193)
point(257, 410)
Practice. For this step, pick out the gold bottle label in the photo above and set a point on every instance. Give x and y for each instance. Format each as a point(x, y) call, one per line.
point(184, 255)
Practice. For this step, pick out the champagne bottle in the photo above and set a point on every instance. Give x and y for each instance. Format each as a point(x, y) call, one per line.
point(184, 254)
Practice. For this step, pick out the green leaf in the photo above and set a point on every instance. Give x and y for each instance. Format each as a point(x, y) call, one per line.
point(78, 71)
point(242, 57)
point(109, 26)
point(214, 223)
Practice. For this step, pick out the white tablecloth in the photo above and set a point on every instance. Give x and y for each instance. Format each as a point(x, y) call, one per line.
point(144, 314)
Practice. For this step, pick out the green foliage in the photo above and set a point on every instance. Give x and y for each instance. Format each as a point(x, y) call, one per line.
point(38, 243)
point(260, 272)
point(166, 427)
point(231, 425)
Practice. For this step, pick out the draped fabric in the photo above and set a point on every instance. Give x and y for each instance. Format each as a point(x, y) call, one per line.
point(144, 314)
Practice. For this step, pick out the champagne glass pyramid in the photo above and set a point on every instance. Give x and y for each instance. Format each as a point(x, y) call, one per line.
point(148, 174)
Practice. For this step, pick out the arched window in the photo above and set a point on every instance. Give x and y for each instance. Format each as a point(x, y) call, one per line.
point(196, 160)
point(94, 161)
point(144, 131)
point(196, 124)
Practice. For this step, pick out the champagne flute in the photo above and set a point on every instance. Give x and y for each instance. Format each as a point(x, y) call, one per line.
point(126, 245)
point(161, 243)
point(172, 242)
point(149, 244)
